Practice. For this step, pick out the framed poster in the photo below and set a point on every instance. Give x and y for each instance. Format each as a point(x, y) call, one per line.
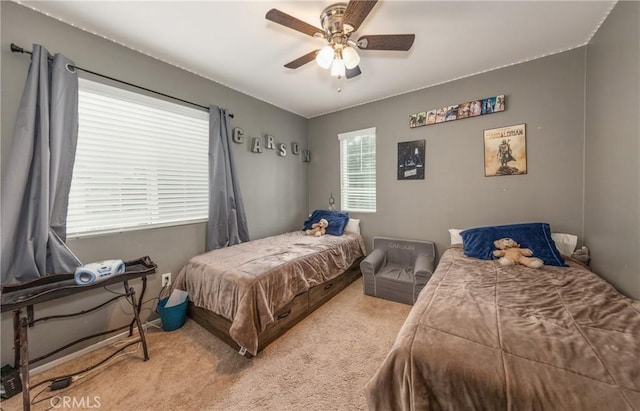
point(411, 160)
point(505, 151)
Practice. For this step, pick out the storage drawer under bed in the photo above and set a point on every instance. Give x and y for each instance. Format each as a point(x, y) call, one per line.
point(322, 293)
point(284, 319)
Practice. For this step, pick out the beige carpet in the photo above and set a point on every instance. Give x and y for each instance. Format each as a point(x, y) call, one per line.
point(323, 363)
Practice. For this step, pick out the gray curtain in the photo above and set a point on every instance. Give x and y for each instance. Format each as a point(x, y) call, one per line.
point(37, 176)
point(227, 221)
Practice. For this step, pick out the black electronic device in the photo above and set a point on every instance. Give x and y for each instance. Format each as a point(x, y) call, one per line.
point(11, 384)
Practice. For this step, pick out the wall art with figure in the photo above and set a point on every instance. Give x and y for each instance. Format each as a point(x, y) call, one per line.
point(411, 160)
point(505, 151)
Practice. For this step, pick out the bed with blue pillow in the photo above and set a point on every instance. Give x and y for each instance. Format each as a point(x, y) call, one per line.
point(484, 336)
point(249, 294)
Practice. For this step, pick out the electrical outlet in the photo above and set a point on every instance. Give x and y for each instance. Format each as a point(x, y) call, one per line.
point(166, 280)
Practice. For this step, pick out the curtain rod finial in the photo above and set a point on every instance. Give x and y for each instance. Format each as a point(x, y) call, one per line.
point(16, 49)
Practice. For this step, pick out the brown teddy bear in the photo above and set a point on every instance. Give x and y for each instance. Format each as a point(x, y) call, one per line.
point(318, 228)
point(510, 254)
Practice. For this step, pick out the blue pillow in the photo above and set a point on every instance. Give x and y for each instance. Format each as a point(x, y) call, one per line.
point(337, 221)
point(478, 242)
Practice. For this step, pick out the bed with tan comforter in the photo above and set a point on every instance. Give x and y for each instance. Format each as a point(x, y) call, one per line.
point(485, 337)
point(249, 282)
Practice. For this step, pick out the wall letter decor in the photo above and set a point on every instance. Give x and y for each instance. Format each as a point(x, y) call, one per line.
point(256, 145)
point(269, 142)
point(238, 135)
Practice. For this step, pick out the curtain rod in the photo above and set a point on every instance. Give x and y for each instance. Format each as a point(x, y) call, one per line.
point(18, 49)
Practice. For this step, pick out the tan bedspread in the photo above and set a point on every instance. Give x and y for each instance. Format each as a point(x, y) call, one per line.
point(247, 283)
point(483, 337)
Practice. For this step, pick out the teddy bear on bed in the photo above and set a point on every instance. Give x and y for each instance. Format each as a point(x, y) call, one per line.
point(510, 254)
point(318, 228)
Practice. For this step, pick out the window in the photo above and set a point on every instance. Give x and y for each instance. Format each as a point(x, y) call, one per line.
point(141, 162)
point(358, 170)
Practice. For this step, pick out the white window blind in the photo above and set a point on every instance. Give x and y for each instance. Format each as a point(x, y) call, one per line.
point(358, 170)
point(140, 162)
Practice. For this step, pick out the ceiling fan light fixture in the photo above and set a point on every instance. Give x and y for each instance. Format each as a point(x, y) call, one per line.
point(339, 22)
point(350, 57)
point(337, 68)
point(325, 57)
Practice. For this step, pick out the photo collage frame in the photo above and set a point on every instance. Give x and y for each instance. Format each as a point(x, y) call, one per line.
point(459, 111)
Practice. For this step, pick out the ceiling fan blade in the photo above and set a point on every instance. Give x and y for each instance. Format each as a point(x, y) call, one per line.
point(386, 42)
point(356, 12)
point(286, 20)
point(351, 73)
point(301, 61)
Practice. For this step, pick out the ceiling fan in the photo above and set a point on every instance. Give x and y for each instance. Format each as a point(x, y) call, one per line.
point(339, 21)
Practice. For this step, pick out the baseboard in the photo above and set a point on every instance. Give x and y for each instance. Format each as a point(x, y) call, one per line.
point(91, 348)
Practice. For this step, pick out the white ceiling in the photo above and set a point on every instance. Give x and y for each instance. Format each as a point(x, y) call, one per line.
point(232, 43)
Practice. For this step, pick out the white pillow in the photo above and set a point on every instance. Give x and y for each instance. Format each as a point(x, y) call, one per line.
point(353, 226)
point(456, 238)
point(565, 243)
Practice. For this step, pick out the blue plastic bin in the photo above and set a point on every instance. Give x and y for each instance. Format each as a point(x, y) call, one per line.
point(172, 317)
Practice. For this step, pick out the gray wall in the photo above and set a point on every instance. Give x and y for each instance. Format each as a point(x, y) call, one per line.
point(612, 149)
point(547, 94)
point(268, 182)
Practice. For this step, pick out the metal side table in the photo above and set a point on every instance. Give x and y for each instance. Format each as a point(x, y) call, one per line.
point(24, 296)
